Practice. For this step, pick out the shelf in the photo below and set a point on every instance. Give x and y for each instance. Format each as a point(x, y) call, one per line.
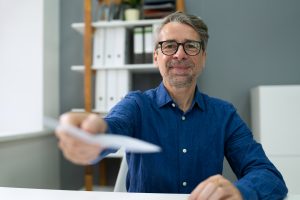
point(132, 67)
point(116, 23)
point(80, 110)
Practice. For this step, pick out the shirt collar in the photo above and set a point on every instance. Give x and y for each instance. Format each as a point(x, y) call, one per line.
point(198, 99)
point(163, 98)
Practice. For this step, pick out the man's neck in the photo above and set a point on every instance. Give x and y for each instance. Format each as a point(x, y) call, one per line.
point(182, 96)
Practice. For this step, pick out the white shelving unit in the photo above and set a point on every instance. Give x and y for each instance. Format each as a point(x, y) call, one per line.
point(116, 23)
point(107, 68)
point(142, 69)
point(148, 67)
point(275, 112)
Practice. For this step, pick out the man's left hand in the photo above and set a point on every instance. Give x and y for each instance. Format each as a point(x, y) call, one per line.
point(215, 187)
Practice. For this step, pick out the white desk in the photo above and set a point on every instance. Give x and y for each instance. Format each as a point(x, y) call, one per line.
point(38, 194)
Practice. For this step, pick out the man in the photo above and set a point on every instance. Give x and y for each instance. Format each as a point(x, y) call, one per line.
point(194, 130)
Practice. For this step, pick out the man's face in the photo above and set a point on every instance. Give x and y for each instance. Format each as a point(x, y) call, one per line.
point(179, 70)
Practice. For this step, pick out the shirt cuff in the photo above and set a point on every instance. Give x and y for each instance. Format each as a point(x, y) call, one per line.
point(102, 155)
point(246, 192)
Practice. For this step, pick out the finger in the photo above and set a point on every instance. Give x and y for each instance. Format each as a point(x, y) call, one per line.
point(197, 190)
point(79, 150)
point(73, 118)
point(74, 158)
point(225, 190)
point(201, 186)
point(78, 154)
point(207, 191)
point(94, 124)
point(219, 193)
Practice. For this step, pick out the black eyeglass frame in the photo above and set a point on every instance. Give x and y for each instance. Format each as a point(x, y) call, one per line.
point(201, 43)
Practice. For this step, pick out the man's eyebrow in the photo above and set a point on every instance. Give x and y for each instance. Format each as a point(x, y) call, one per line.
point(188, 40)
point(171, 40)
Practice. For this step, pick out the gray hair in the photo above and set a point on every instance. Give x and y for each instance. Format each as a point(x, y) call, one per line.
point(191, 20)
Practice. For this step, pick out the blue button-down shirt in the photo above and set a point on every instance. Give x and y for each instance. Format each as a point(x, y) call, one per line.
point(193, 144)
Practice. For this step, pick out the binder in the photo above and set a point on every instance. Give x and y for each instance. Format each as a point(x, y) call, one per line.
point(101, 91)
point(148, 44)
point(117, 81)
point(119, 47)
point(121, 54)
point(112, 88)
point(99, 48)
point(138, 56)
point(124, 83)
point(109, 46)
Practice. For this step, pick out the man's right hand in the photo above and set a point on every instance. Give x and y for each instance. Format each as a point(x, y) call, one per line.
point(74, 149)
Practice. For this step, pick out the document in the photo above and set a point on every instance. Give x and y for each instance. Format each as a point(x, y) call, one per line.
point(112, 141)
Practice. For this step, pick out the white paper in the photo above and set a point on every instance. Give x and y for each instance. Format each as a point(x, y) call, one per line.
point(112, 141)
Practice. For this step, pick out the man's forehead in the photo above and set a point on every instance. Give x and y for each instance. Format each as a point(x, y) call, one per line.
point(172, 30)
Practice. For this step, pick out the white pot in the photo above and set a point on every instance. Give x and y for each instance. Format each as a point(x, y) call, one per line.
point(132, 14)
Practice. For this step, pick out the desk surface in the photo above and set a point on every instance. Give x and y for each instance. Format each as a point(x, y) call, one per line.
point(36, 194)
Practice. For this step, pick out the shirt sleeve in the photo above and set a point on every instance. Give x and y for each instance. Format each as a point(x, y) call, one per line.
point(124, 118)
point(257, 177)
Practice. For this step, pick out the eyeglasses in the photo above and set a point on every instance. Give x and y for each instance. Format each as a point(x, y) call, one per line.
point(190, 47)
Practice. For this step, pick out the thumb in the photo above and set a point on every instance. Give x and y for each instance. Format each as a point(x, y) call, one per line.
point(94, 124)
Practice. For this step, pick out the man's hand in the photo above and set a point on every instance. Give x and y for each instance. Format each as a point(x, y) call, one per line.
point(215, 187)
point(74, 149)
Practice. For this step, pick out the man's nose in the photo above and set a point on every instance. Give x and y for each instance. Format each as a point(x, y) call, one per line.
point(180, 54)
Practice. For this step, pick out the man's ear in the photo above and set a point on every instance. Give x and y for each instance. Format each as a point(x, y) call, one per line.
point(204, 59)
point(155, 54)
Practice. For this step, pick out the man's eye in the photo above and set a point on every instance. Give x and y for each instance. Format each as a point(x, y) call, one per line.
point(169, 46)
point(192, 46)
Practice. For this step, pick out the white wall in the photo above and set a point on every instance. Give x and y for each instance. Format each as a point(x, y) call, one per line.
point(30, 159)
point(30, 163)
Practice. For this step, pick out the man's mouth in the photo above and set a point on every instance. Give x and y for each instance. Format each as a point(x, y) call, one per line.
point(179, 67)
point(179, 70)
point(179, 64)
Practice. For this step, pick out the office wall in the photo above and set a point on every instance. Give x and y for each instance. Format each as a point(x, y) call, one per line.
point(251, 43)
point(71, 87)
point(30, 159)
point(30, 163)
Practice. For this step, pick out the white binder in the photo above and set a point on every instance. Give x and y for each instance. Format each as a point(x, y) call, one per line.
point(124, 83)
point(112, 88)
point(109, 46)
point(101, 91)
point(99, 48)
point(148, 34)
point(138, 45)
point(119, 46)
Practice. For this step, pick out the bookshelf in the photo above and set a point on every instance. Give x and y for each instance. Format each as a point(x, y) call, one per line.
point(121, 70)
point(91, 70)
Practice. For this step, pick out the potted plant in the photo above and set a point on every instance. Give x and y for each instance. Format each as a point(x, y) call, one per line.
point(132, 12)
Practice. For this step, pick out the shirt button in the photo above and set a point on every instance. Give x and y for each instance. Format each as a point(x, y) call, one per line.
point(184, 184)
point(173, 104)
point(183, 118)
point(184, 150)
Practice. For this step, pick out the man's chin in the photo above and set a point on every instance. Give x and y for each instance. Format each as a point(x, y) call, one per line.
point(180, 83)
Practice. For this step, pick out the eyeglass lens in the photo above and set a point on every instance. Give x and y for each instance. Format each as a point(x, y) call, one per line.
point(171, 47)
